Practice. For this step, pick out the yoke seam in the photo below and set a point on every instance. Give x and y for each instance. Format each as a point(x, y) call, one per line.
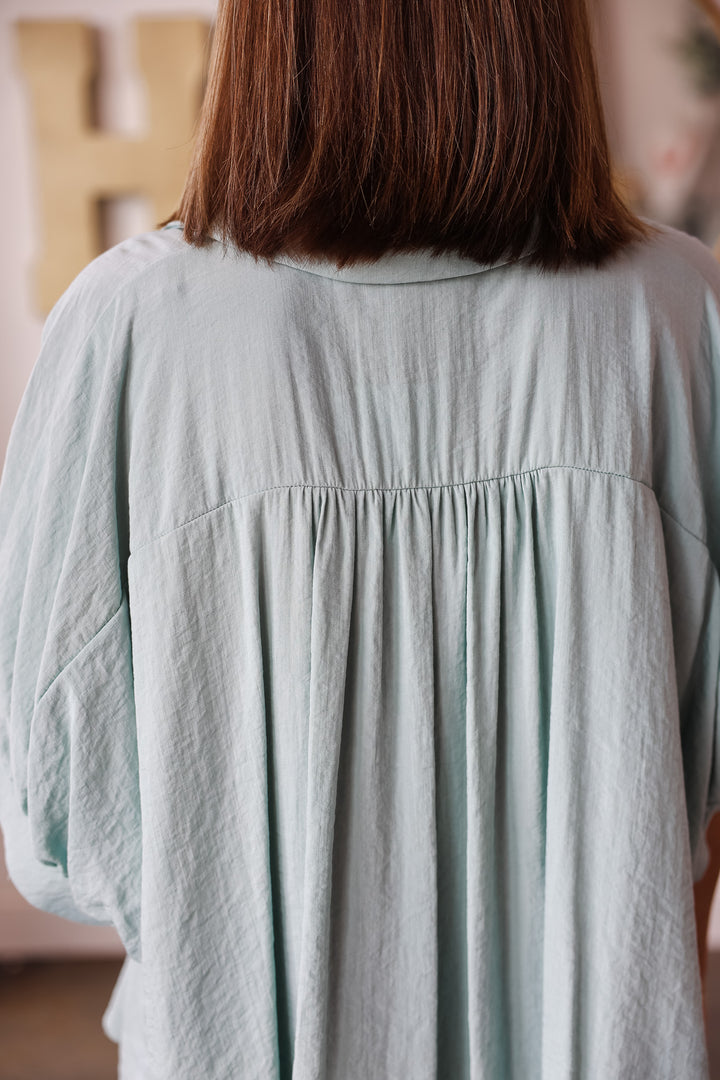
point(411, 487)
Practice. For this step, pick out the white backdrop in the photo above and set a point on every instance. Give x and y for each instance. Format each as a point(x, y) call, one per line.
point(648, 106)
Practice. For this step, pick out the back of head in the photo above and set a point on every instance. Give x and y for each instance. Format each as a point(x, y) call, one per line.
point(351, 129)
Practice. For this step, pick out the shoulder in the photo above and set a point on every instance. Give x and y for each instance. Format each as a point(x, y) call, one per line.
point(672, 266)
point(89, 335)
point(664, 287)
point(138, 270)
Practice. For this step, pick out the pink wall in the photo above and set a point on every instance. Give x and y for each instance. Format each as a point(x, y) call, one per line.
point(663, 133)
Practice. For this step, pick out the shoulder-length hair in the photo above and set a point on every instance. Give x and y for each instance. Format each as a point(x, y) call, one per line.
point(352, 128)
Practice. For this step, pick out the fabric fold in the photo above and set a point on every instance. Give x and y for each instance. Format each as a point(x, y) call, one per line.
point(332, 595)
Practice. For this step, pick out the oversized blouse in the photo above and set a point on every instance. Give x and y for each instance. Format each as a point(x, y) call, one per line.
point(359, 657)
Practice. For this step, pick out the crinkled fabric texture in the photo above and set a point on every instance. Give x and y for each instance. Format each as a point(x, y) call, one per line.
point(359, 656)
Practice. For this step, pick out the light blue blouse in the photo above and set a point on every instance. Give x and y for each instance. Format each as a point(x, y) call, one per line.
point(359, 657)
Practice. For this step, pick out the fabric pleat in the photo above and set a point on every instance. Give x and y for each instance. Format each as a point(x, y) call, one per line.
point(486, 1002)
point(329, 635)
point(386, 792)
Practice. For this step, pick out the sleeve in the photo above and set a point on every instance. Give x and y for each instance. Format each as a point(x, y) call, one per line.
point(686, 426)
point(69, 791)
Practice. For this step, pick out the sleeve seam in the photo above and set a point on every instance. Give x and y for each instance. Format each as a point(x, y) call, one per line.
point(684, 528)
point(79, 653)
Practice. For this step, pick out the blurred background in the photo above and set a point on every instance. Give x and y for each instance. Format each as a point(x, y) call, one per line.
point(97, 103)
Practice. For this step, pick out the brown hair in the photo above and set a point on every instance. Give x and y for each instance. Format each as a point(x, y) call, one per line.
point(712, 11)
point(351, 128)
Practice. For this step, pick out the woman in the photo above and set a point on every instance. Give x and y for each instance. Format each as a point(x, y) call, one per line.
point(359, 536)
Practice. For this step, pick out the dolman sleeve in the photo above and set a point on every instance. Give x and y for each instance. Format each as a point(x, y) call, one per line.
point(69, 793)
point(686, 431)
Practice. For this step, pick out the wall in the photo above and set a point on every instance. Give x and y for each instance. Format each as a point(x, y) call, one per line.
point(664, 134)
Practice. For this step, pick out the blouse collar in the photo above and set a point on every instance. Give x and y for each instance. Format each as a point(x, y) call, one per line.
point(390, 269)
point(394, 268)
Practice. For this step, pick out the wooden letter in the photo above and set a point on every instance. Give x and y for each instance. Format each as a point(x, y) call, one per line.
point(79, 165)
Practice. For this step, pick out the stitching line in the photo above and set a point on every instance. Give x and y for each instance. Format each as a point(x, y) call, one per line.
point(684, 528)
point(410, 487)
point(93, 638)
